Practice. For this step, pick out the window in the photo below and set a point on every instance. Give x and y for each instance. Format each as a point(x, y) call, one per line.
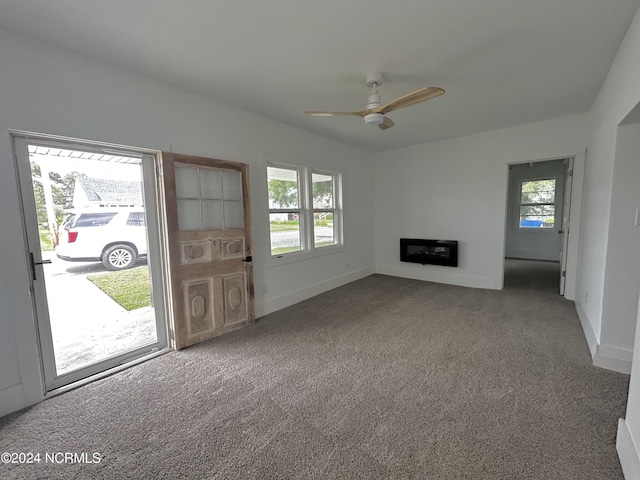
point(304, 210)
point(323, 187)
point(94, 219)
point(136, 219)
point(208, 198)
point(538, 203)
point(285, 209)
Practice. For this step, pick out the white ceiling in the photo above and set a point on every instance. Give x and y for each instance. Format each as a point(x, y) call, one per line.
point(501, 62)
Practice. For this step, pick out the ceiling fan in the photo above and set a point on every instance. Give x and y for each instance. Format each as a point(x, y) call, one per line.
point(375, 113)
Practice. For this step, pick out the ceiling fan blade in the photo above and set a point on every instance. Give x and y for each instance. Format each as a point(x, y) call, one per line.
point(418, 96)
point(333, 114)
point(387, 123)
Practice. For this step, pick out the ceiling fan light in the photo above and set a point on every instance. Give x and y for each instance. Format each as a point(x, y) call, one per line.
point(374, 118)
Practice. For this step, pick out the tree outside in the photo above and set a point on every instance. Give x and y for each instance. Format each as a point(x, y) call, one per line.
point(62, 196)
point(537, 204)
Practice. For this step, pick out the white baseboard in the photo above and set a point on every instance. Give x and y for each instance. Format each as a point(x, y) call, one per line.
point(604, 356)
point(279, 302)
point(627, 452)
point(435, 273)
point(587, 327)
point(613, 358)
point(11, 399)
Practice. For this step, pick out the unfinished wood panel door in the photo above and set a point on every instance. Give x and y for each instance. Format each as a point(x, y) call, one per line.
point(209, 244)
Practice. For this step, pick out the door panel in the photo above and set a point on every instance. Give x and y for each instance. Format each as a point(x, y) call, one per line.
point(209, 246)
point(565, 225)
point(89, 319)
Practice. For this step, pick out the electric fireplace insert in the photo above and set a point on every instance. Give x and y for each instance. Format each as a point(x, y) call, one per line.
point(429, 252)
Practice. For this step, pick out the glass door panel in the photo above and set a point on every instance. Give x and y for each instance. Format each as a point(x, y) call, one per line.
point(90, 227)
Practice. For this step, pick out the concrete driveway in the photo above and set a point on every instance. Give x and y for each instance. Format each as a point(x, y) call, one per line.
point(87, 325)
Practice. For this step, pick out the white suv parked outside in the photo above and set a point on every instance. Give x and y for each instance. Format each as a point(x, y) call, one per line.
point(117, 237)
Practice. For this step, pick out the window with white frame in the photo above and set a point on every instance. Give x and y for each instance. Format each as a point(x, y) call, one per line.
point(538, 203)
point(304, 210)
point(325, 214)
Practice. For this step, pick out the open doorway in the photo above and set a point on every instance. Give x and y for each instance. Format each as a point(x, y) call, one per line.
point(536, 237)
point(92, 234)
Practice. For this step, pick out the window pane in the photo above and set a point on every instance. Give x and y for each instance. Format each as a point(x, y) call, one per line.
point(210, 183)
point(94, 219)
point(187, 182)
point(539, 191)
point(212, 215)
point(232, 184)
point(136, 219)
point(189, 217)
point(323, 229)
point(537, 204)
point(283, 184)
point(537, 216)
point(233, 215)
point(322, 190)
point(285, 232)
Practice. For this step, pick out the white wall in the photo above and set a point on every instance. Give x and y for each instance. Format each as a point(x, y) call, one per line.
point(457, 189)
point(622, 274)
point(611, 336)
point(629, 427)
point(534, 243)
point(622, 280)
point(609, 248)
point(50, 91)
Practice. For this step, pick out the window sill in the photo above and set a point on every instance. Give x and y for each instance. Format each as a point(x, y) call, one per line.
point(537, 230)
point(291, 257)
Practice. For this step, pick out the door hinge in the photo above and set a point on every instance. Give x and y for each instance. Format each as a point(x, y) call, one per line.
point(247, 259)
point(564, 273)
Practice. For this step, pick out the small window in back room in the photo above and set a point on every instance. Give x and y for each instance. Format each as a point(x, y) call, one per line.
point(538, 203)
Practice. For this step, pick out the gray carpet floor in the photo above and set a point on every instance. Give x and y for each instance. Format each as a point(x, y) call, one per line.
point(532, 274)
point(384, 378)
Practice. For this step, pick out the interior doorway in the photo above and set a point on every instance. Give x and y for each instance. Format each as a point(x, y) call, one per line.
point(92, 236)
point(537, 225)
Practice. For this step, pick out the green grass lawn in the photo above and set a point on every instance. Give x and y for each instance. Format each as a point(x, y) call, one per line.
point(46, 245)
point(290, 226)
point(129, 288)
point(279, 250)
point(326, 243)
point(284, 226)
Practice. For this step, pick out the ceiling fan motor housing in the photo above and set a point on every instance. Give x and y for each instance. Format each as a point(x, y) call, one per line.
point(374, 119)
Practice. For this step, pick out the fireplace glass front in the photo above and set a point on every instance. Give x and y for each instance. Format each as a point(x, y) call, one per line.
point(433, 252)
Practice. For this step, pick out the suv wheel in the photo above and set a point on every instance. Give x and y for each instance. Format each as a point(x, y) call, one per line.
point(119, 257)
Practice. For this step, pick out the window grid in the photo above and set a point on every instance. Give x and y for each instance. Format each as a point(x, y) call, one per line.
point(213, 195)
point(537, 203)
point(318, 225)
point(326, 217)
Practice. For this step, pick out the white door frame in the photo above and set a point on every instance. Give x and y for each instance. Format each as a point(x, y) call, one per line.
point(154, 208)
point(565, 214)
